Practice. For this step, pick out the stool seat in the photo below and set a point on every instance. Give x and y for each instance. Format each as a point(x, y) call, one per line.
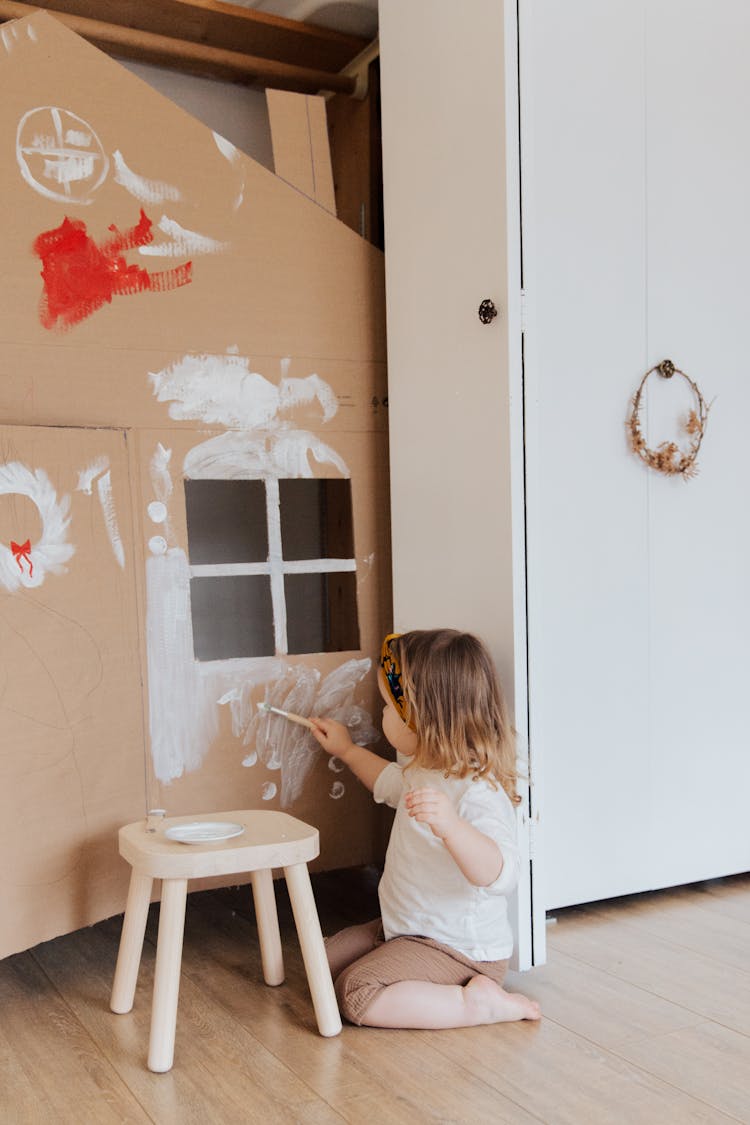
point(270, 840)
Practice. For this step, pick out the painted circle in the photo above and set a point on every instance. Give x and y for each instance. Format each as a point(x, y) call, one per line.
point(52, 551)
point(60, 155)
point(157, 512)
point(268, 791)
point(157, 545)
point(337, 790)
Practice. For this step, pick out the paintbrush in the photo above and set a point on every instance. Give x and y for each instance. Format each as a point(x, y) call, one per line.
point(287, 715)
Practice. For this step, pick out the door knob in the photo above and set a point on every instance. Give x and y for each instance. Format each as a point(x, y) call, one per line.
point(487, 311)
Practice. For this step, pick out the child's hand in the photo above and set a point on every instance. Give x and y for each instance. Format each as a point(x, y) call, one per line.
point(332, 736)
point(434, 808)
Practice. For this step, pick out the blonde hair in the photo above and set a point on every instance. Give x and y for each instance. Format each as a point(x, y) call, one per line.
point(455, 705)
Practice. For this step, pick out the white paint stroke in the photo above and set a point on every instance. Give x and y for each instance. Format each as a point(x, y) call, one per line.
point(289, 566)
point(268, 792)
point(231, 153)
point(302, 690)
point(161, 482)
point(6, 44)
point(294, 392)
point(262, 454)
point(247, 676)
point(275, 554)
point(216, 388)
point(78, 137)
point(161, 478)
point(106, 499)
point(87, 476)
point(184, 243)
point(51, 551)
point(157, 511)
point(222, 389)
point(230, 456)
point(146, 190)
point(248, 671)
point(337, 790)
point(183, 717)
point(71, 169)
point(335, 765)
point(292, 449)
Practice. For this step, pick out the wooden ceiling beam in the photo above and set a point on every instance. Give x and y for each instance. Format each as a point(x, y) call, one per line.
point(194, 58)
point(224, 26)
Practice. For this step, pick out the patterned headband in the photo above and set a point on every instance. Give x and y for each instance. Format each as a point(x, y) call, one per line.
point(392, 672)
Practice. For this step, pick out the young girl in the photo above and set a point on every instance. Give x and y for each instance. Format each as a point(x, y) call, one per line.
point(438, 955)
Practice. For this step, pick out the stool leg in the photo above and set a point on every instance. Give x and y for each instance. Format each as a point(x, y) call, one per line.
point(131, 943)
point(167, 974)
point(268, 926)
point(313, 949)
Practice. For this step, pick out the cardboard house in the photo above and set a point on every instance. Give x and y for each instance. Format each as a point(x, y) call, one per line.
point(193, 483)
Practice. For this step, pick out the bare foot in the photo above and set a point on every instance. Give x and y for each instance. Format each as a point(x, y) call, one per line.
point(487, 1002)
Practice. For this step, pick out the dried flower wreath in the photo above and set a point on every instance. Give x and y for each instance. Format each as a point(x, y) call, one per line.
point(668, 457)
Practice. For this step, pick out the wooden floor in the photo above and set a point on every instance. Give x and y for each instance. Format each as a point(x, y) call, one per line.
point(646, 1007)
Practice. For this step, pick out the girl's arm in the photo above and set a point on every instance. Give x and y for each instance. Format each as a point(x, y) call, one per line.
point(336, 741)
point(476, 855)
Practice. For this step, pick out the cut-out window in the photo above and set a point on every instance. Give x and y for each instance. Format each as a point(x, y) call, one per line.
point(226, 521)
point(232, 616)
point(272, 567)
point(321, 612)
point(316, 518)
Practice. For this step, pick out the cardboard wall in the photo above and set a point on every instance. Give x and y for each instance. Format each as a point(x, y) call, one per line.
point(169, 309)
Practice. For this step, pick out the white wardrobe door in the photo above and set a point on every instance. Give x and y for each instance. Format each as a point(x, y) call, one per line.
point(637, 164)
point(585, 264)
point(698, 159)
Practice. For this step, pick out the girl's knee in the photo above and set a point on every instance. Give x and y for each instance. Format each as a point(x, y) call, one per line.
point(347, 946)
point(356, 988)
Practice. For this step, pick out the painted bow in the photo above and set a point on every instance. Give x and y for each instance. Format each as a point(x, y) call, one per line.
point(22, 551)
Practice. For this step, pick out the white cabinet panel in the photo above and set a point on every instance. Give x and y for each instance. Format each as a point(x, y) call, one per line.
point(698, 154)
point(455, 422)
point(637, 175)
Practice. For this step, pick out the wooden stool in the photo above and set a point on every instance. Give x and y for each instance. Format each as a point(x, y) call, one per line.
point(271, 839)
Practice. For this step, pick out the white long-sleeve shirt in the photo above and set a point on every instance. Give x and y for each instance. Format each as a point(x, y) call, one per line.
point(423, 891)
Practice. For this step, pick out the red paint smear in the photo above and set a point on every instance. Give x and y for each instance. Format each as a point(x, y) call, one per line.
point(80, 276)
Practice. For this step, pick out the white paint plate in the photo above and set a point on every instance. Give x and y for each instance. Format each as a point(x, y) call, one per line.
point(204, 831)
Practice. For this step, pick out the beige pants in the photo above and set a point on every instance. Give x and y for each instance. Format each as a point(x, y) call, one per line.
point(363, 963)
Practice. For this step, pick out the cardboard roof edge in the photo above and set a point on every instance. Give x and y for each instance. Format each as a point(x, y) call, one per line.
point(307, 256)
point(45, 21)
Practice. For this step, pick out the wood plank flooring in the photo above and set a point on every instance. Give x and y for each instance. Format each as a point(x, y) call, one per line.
point(646, 1006)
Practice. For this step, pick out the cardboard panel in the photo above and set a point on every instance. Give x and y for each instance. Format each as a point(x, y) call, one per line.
point(301, 152)
point(156, 280)
point(70, 709)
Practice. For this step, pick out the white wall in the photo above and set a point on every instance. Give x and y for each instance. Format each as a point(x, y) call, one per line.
point(235, 112)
